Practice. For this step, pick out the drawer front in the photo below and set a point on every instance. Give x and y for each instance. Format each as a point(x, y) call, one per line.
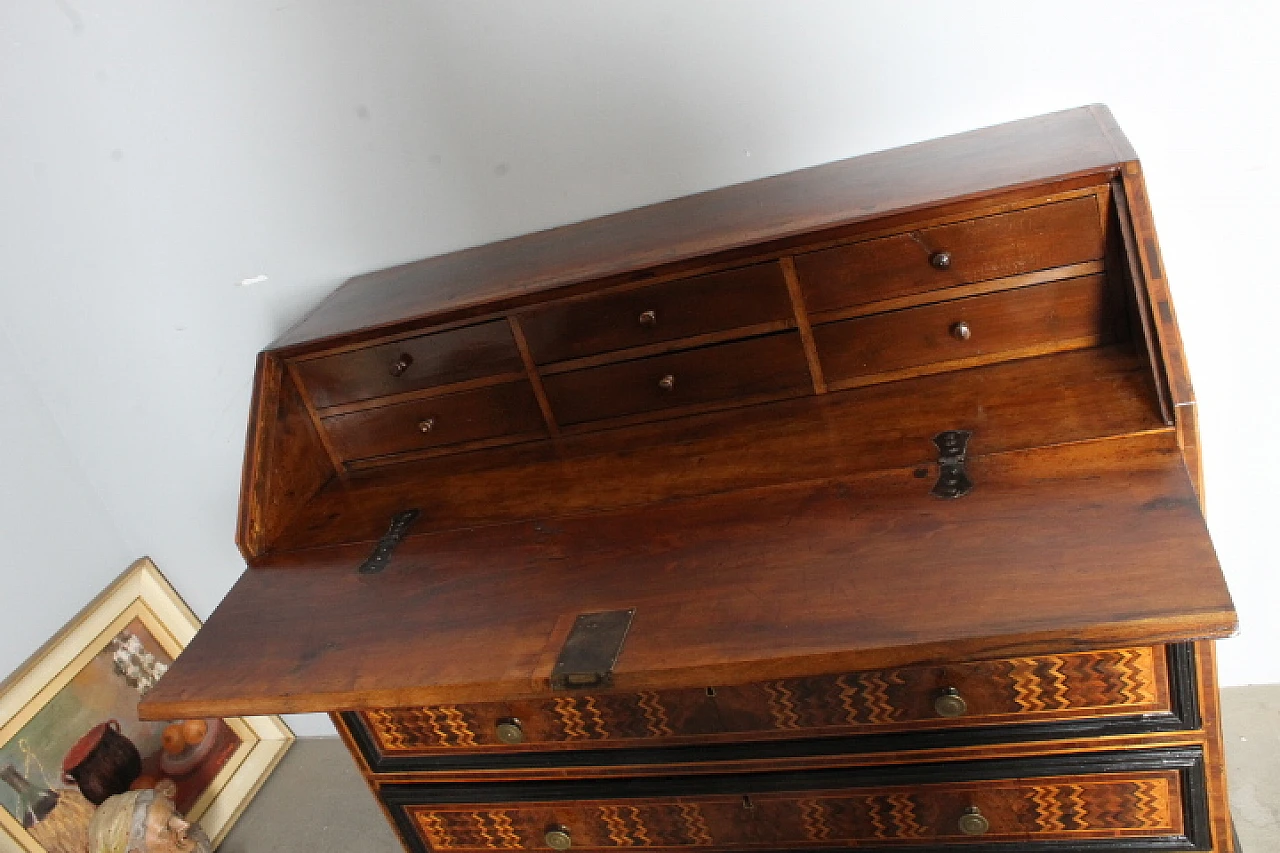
point(443, 358)
point(1046, 688)
point(1028, 801)
point(1052, 235)
point(509, 409)
point(762, 368)
point(1046, 318)
point(662, 312)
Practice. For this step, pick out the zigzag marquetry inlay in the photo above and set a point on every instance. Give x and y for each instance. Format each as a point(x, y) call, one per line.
point(1095, 807)
point(1126, 680)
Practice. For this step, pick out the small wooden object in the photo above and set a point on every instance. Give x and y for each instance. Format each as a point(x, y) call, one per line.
point(853, 507)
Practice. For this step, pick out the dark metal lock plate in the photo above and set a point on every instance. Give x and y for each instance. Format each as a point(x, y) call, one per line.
point(589, 654)
point(953, 481)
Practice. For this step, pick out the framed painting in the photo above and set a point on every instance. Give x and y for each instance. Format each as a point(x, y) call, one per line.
point(70, 734)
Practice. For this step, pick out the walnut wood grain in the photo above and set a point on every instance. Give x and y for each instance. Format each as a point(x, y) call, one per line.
point(828, 577)
point(803, 603)
point(683, 308)
point(510, 409)
point(286, 462)
point(1007, 244)
point(772, 366)
point(1046, 318)
point(1068, 397)
point(506, 273)
point(440, 358)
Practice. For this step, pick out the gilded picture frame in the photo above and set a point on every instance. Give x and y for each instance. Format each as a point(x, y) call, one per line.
point(99, 665)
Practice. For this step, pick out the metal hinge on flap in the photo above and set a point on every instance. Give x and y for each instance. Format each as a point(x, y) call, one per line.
point(400, 523)
point(589, 654)
point(953, 482)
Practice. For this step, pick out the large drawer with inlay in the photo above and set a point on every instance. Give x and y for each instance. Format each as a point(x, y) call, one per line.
point(1141, 800)
point(1145, 687)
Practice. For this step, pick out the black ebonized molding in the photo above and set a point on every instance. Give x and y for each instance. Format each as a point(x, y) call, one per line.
point(1183, 683)
point(1182, 688)
point(1189, 762)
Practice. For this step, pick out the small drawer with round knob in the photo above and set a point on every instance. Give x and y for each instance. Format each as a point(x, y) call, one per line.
point(409, 365)
point(507, 410)
point(1053, 317)
point(751, 298)
point(901, 266)
point(766, 368)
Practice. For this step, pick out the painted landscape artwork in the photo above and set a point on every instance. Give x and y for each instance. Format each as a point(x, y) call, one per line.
point(87, 742)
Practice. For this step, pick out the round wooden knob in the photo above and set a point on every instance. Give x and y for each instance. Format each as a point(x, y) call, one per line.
point(961, 331)
point(667, 382)
point(973, 823)
point(510, 731)
point(648, 319)
point(401, 364)
point(426, 425)
point(940, 260)
point(558, 838)
point(950, 704)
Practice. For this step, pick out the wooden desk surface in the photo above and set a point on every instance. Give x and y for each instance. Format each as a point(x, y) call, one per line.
point(1095, 544)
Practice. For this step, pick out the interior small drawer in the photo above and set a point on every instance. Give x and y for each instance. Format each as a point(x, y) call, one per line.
point(508, 409)
point(1037, 238)
point(1046, 318)
point(1142, 800)
point(1045, 689)
point(442, 358)
point(770, 367)
point(662, 312)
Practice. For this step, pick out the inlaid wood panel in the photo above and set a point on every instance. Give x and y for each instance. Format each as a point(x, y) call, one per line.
point(1058, 808)
point(1104, 683)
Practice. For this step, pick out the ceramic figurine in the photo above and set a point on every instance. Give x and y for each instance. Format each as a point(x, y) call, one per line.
point(145, 822)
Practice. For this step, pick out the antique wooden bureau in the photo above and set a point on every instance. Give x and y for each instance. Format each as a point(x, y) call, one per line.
point(857, 507)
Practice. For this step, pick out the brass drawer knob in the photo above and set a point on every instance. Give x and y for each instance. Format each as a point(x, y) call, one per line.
point(667, 382)
point(558, 838)
point(401, 364)
point(510, 731)
point(950, 704)
point(649, 319)
point(973, 823)
point(426, 425)
point(961, 331)
point(940, 260)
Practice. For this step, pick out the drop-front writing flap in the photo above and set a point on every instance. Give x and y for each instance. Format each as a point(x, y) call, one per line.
point(1101, 542)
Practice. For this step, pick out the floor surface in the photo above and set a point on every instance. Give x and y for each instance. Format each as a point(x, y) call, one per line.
point(316, 802)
